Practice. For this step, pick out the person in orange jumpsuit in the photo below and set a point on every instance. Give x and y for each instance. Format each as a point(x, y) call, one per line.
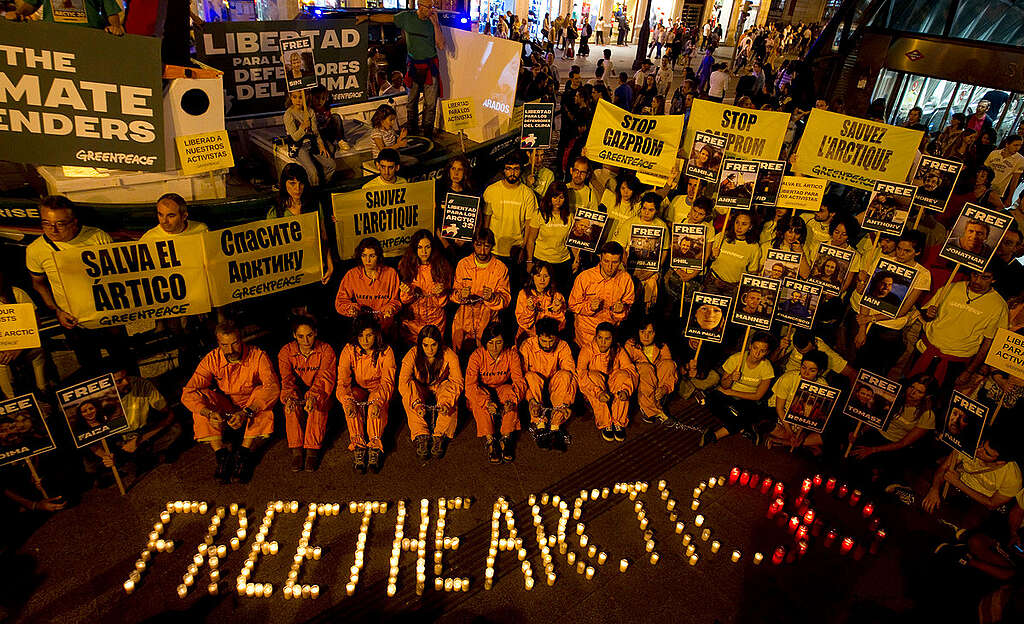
point(430, 380)
point(602, 294)
point(539, 299)
point(371, 287)
point(481, 289)
point(494, 388)
point(308, 369)
point(366, 382)
point(657, 372)
point(232, 391)
point(425, 280)
point(549, 370)
point(608, 379)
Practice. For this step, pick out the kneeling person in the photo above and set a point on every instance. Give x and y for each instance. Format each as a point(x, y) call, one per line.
point(549, 370)
point(430, 381)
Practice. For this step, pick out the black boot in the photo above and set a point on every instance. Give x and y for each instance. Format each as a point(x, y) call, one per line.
point(359, 460)
point(439, 446)
point(492, 449)
point(312, 460)
point(422, 443)
point(223, 471)
point(243, 465)
point(508, 453)
point(373, 460)
point(298, 462)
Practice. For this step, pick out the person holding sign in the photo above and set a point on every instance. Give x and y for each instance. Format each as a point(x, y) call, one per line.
point(812, 366)
point(657, 373)
point(602, 294)
point(745, 380)
point(146, 438)
point(366, 383)
point(295, 197)
point(676, 279)
point(538, 300)
point(423, 40)
point(481, 290)
point(608, 380)
point(550, 372)
point(370, 287)
point(13, 360)
point(308, 369)
point(735, 252)
point(792, 348)
point(790, 236)
point(495, 386)
point(232, 391)
point(304, 140)
point(546, 233)
point(172, 219)
point(648, 279)
point(430, 380)
point(425, 280)
point(388, 162)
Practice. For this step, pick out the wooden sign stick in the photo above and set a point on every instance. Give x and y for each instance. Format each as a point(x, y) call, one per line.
point(856, 432)
point(35, 477)
point(113, 467)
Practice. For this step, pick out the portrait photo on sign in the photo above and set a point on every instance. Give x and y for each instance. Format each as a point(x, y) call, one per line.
point(23, 431)
point(888, 287)
point(709, 314)
point(587, 226)
point(688, 244)
point(812, 406)
point(871, 399)
point(768, 182)
point(935, 179)
point(964, 424)
point(706, 155)
point(889, 208)
point(94, 412)
point(830, 268)
point(736, 187)
point(646, 245)
point(780, 264)
point(299, 66)
point(975, 236)
point(798, 303)
point(755, 301)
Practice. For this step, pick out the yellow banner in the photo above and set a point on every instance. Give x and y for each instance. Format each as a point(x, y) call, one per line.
point(390, 213)
point(458, 114)
point(126, 283)
point(854, 151)
point(801, 193)
point(209, 151)
point(1007, 353)
point(263, 257)
point(644, 143)
point(18, 329)
point(750, 134)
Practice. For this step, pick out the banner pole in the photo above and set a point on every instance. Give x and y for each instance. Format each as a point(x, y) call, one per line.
point(462, 140)
point(35, 477)
point(949, 283)
point(682, 298)
point(856, 432)
point(743, 351)
point(999, 407)
point(920, 213)
point(113, 466)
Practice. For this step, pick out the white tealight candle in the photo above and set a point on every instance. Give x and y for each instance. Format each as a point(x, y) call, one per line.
point(712, 482)
point(687, 538)
point(129, 586)
point(693, 559)
point(671, 504)
point(212, 588)
point(699, 520)
point(758, 558)
point(715, 545)
point(679, 528)
point(735, 556)
point(623, 565)
point(654, 558)
point(691, 549)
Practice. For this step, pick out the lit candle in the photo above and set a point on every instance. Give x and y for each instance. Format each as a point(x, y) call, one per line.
point(842, 491)
point(687, 539)
point(649, 546)
point(775, 507)
point(801, 547)
point(570, 557)
point(589, 573)
point(794, 522)
point(854, 498)
point(643, 523)
point(758, 558)
point(584, 540)
point(129, 586)
point(829, 538)
point(846, 545)
point(734, 474)
point(692, 548)
point(705, 534)
point(805, 487)
point(182, 591)
point(754, 480)
point(809, 517)
point(623, 564)
point(693, 559)
point(695, 504)
point(780, 487)
point(744, 478)
point(592, 551)
point(696, 493)
point(350, 589)
point(801, 532)
point(817, 480)
point(715, 545)
point(213, 588)
point(699, 520)
point(712, 482)
point(602, 557)
point(779, 555)
point(661, 485)
point(234, 543)
point(869, 508)
point(877, 542)
point(654, 558)
point(679, 528)
point(766, 484)
point(735, 556)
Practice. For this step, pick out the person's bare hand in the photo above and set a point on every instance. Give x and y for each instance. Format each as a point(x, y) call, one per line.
point(115, 29)
point(931, 312)
point(51, 504)
point(492, 408)
point(66, 320)
point(862, 452)
point(604, 397)
point(236, 420)
point(931, 501)
point(464, 293)
point(216, 418)
point(618, 307)
point(438, 290)
point(557, 305)
point(6, 357)
point(595, 304)
point(622, 395)
point(130, 445)
point(487, 293)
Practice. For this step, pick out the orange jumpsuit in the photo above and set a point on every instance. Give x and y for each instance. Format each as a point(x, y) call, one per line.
point(554, 372)
point(362, 380)
point(499, 380)
point(227, 387)
point(530, 309)
point(380, 294)
point(305, 377)
point(595, 377)
point(425, 308)
point(654, 370)
point(472, 318)
point(446, 390)
point(592, 284)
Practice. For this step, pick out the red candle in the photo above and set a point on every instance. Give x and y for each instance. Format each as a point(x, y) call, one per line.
point(854, 498)
point(781, 519)
point(829, 538)
point(744, 477)
point(817, 480)
point(779, 555)
point(794, 522)
point(804, 506)
point(779, 488)
point(809, 517)
point(754, 480)
point(802, 547)
point(774, 508)
point(874, 524)
point(734, 474)
point(801, 532)
point(817, 527)
point(877, 542)
point(843, 490)
point(830, 484)
point(805, 487)
point(869, 508)
point(766, 484)
point(846, 545)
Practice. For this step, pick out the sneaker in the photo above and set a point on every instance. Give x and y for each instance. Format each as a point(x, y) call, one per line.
point(243, 465)
point(492, 450)
point(373, 459)
point(708, 437)
point(903, 493)
point(297, 460)
point(559, 441)
point(699, 397)
point(620, 434)
point(312, 460)
point(608, 434)
point(957, 553)
point(422, 444)
point(224, 465)
point(508, 452)
point(439, 446)
point(753, 436)
point(359, 460)
point(958, 533)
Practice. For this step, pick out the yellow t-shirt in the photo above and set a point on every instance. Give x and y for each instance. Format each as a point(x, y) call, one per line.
point(550, 244)
point(618, 213)
point(378, 182)
point(750, 378)
point(586, 197)
point(141, 396)
point(985, 480)
point(735, 259)
point(817, 233)
point(40, 259)
point(158, 233)
point(965, 319)
point(678, 209)
point(906, 421)
point(510, 209)
point(785, 389)
point(626, 230)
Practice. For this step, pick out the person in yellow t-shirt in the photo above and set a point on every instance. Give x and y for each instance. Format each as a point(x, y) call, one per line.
point(675, 279)
point(509, 205)
point(745, 379)
point(546, 233)
point(647, 216)
point(734, 252)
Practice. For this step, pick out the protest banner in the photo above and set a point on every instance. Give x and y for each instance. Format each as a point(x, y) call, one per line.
point(23, 430)
point(975, 236)
point(461, 213)
point(127, 283)
point(871, 400)
point(688, 245)
point(798, 303)
point(801, 193)
point(391, 214)
point(1007, 353)
point(748, 133)
point(209, 151)
point(812, 406)
point(964, 425)
point(93, 410)
point(769, 182)
point(935, 180)
point(755, 301)
point(709, 313)
point(705, 160)
point(18, 328)
point(263, 257)
point(457, 114)
point(645, 245)
point(888, 287)
point(889, 207)
point(644, 143)
point(299, 65)
point(736, 188)
point(60, 106)
point(779, 264)
point(252, 57)
point(587, 228)
point(831, 268)
point(538, 120)
point(855, 151)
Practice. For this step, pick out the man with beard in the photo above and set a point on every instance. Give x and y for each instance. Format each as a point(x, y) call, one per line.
point(550, 371)
point(481, 290)
point(232, 393)
point(882, 290)
point(508, 207)
point(601, 294)
point(931, 186)
point(583, 194)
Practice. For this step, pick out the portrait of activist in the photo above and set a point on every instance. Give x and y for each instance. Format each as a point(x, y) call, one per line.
point(231, 395)
point(481, 290)
point(308, 368)
point(495, 387)
point(551, 384)
point(366, 384)
point(607, 379)
point(601, 294)
point(430, 383)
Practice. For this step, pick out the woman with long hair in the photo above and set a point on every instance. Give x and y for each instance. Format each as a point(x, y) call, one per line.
point(424, 282)
point(621, 203)
point(539, 298)
point(366, 383)
point(370, 287)
point(495, 387)
point(734, 252)
point(13, 360)
point(645, 94)
point(430, 380)
point(295, 197)
point(657, 372)
point(608, 379)
point(790, 235)
point(308, 368)
point(457, 177)
point(547, 232)
point(963, 147)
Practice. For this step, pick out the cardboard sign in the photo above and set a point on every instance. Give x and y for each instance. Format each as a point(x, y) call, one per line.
point(92, 410)
point(709, 313)
point(872, 398)
point(23, 430)
point(645, 245)
point(769, 182)
point(391, 214)
point(855, 151)
point(299, 66)
point(935, 180)
point(457, 114)
point(812, 406)
point(750, 134)
point(461, 213)
point(1007, 353)
point(644, 143)
point(81, 98)
point(705, 161)
point(736, 188)
point(209, 151)
point(587, 228)
point(263, 257)
point(889, 207)
point(975, 236)
point(831, 268)
point(888, 287)
point(779, 264)
point(755, 301)
point(69, 12)
point(125, 283)
point(688, 245)
point(964, 425)
point(798, 303)
point(801, 193)
point(18, 328)
point(538, 121)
